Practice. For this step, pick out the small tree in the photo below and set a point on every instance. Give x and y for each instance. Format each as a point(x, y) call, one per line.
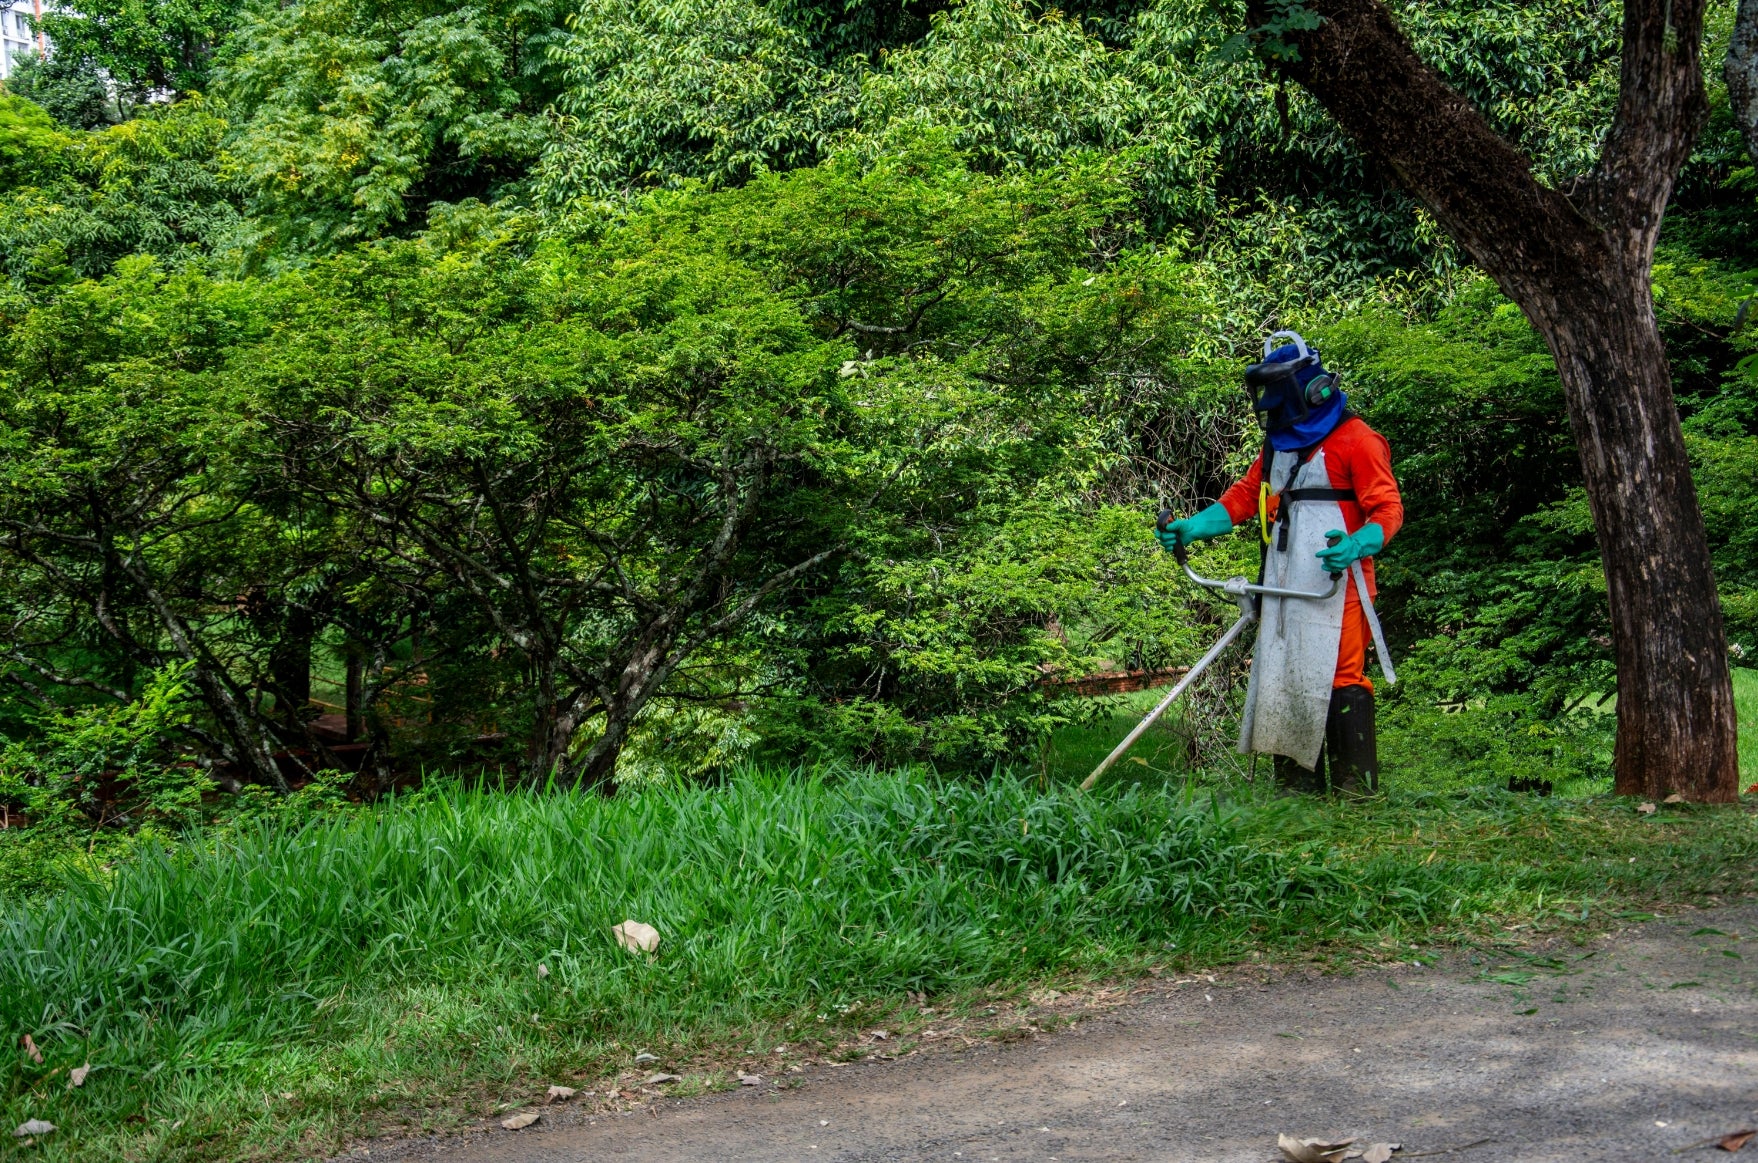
point(1577, 260)
point(132, 536)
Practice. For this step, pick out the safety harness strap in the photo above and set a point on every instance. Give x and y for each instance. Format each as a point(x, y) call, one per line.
point(1317, 495)
point(1284, 513)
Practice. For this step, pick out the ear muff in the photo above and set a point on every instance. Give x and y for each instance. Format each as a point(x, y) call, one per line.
point(1320, 388)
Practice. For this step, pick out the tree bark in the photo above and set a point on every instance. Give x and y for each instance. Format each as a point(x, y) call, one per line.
point(1740, 71)
point(290, 666)
point(354, 692)
point(1676, 720)
point(1579, 267)
point(650, 663)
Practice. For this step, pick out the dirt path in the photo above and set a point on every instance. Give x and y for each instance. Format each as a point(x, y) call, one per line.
point(1618, 1051)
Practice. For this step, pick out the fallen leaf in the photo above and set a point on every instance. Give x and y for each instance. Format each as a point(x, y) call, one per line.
point(1736, 1140)
point(561, 1093)
point(542, 971)
point(1312, 1150)
point(881, 1035)
point(750, 1080)
point(644, 1056)
point(1378, 1153)
point(77, 1076)
point(1675, 798)
point(636, 937)
point(520, 1121)
point(32, 1127)
point(1646, 808)
point(30, 1048)
point(658, 1079)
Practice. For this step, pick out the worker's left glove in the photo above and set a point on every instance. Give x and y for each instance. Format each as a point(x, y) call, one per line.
point(1364, 542)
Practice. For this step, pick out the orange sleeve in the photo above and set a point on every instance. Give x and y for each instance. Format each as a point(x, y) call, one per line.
point(1368, 461)
point(1240, 500)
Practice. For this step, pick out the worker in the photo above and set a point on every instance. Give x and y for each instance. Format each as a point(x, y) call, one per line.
point(1328, 503)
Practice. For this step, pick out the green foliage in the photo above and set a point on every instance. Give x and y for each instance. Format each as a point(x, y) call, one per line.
point(575, 470)
point(353, 117)
point(148, 50)
point(1016, 89)
point(136, 535)
point(69, 89)
point(29, 141)
point(1545, 75)
point(656, 93)
point(73, 204)
point(56, 776)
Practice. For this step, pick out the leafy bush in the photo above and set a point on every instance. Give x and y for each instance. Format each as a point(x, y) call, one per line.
point(56, 775)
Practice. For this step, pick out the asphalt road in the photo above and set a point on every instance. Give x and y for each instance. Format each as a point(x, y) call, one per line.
point(1621, 1050)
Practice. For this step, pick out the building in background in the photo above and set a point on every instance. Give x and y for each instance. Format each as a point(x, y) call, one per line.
point(16, 40)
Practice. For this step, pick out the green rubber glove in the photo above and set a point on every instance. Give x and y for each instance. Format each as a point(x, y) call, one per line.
point(1211, 522)
point(1364, 542)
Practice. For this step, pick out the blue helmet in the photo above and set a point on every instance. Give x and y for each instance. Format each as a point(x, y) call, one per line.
point(1291, 386)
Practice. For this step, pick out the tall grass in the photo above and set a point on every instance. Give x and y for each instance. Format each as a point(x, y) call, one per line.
point(283, 959)
point(1746, 705)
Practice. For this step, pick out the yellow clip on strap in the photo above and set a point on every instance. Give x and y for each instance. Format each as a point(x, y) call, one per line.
point(1263, 510)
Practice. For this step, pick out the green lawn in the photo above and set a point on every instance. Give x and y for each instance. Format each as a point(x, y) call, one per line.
point(262, 993)
point(1746, 699)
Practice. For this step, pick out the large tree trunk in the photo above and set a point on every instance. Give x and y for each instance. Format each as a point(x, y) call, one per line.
point(1676, 725)
point(1740, 71)
point(1579, 266)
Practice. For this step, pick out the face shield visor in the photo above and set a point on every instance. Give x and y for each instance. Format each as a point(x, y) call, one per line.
point(1288, 384)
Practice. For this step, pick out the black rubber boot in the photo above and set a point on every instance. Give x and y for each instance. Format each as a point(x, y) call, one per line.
point(1297, 780)
point(1352, 743)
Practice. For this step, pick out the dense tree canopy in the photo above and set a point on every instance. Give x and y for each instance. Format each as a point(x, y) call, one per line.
point(545, 385)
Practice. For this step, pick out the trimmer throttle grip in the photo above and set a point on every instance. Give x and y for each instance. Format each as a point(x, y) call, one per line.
point(1335, 539)
point(1163, 522)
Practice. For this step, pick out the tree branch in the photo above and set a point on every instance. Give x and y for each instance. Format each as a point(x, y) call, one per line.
point(1363, 70)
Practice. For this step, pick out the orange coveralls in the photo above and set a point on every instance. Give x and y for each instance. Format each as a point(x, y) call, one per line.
point(1359, 459)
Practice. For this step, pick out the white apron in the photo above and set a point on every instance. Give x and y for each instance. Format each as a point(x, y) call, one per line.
point(1289, 692)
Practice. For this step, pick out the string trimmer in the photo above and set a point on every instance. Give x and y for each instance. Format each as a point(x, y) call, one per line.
point(1241, 591)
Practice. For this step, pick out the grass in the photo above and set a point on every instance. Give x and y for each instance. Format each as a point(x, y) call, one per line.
point(1076, 750)
point(263, 994)
point(1746, 704)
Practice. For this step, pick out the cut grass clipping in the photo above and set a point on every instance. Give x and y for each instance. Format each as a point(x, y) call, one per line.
point(263, 995)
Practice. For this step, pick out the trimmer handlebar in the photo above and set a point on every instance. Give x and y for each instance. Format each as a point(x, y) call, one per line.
point(1238, 587)
point(1240, 591)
